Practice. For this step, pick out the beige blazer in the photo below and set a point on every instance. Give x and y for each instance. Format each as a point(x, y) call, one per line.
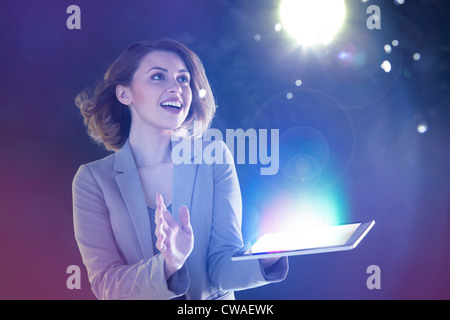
point(112, 229)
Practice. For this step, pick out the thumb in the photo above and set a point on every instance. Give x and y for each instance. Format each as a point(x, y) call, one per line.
point(185, 220)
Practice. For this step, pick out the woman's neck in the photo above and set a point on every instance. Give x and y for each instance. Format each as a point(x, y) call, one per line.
point(150, 147)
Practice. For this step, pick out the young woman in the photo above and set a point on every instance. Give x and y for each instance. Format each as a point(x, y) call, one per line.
point(148, 228)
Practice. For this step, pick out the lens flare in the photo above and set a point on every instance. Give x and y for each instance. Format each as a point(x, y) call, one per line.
point(290, 212)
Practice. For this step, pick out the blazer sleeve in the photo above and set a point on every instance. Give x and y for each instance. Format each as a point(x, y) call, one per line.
point(226, 237)
point(109, 275)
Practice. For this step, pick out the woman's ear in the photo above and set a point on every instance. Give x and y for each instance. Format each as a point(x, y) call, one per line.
point(123, 94)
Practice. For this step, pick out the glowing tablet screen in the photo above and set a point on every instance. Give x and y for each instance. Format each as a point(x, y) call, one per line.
point(304, 239)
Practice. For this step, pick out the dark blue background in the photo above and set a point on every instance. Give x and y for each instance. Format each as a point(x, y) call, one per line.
point(354, 124)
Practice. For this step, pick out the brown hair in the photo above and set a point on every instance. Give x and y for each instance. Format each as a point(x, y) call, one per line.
point(108, 121)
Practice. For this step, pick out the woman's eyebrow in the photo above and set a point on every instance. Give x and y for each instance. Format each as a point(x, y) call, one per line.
point(165, 70)
point(157, 68)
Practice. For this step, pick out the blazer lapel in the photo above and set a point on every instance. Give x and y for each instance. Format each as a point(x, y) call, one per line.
point(133, 195)
point(130, 186)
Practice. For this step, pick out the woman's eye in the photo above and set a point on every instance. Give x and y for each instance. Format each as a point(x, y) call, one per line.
point(183, 79)
point(158, 76)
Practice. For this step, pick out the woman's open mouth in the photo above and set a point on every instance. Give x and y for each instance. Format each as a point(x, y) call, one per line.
point(173, 106)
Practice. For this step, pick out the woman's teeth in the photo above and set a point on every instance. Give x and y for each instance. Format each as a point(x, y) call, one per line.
point(172, 104)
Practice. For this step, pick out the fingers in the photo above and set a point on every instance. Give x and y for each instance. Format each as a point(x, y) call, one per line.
point(160, 223)
point(160, 245)
point(160, 235)
point(159, 229)
point(185, 220)
point(160, 206)
point(162, 212)
point(164, 222)
point(167, 230)
point(159, 218)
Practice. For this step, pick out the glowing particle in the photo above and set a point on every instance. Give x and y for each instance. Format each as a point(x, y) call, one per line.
point(386, 66)
point(416, 56)
point(387, 49)
point(422, 127)
point(201, 93)
point(298, 82)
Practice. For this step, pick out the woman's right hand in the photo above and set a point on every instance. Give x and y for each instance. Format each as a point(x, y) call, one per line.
point(175, 241)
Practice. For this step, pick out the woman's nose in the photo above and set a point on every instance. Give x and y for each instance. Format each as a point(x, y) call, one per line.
point(174, 87)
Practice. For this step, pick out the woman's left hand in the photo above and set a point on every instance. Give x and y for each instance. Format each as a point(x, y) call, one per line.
point(268, 262)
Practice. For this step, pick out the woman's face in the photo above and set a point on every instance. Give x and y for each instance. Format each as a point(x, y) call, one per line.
point(160, 92)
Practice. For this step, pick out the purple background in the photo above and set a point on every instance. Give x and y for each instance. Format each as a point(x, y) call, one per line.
point(360, 144)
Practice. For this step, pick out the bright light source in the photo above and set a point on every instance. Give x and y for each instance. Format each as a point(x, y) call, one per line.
point(289, 212)
point(313, 22)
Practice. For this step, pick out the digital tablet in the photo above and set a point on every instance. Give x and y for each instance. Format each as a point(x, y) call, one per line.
point(305, 241)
